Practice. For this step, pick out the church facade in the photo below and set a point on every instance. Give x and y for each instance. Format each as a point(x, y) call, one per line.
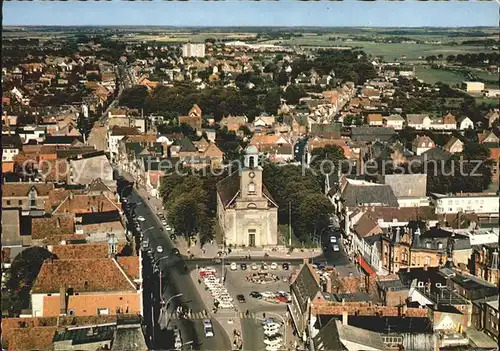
point(247, 213)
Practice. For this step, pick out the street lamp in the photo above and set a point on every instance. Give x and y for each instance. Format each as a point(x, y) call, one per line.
point(155, 264)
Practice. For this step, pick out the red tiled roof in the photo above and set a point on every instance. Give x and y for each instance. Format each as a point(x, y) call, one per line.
point(42, 228)
point(87, 203)
point(130, 265)
point(81, 251)
point(83, 275)
point(37, 338)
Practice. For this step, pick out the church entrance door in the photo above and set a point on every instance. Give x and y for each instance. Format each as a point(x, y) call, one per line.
point(251, 237)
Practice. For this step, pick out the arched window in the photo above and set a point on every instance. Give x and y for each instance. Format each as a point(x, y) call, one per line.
point(251, 188)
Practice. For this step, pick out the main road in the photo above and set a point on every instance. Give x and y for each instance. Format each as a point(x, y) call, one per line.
point(175, 280)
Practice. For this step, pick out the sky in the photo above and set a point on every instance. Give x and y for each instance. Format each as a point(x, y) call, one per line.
point(251, 13)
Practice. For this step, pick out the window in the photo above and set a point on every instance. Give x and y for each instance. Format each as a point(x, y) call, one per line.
point(8, 202)
point(251, 188)
point(440, 245)
point(32, 203)
point(71, 312)
point(20, 202)
point(101, 311)
point(427, 260)
point(427, 244)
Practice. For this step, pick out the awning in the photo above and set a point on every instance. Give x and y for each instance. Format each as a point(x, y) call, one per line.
point(366, 266)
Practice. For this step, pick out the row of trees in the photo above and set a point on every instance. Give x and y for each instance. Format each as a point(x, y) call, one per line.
point(191, 203)
point(310, 209)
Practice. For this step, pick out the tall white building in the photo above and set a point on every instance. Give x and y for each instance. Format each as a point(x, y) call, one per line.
point(193, 50)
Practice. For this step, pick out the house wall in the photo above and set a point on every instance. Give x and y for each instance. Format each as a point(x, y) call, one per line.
point(413, 202)
point(477, 204)
point(8, 154)
point(37, 304)
point(24, 202)
point(491, 321)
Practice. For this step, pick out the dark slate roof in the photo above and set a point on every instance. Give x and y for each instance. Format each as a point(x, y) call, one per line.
point(186, 145)
point(332, 130)
point(478, 289)
point(135, 148)
point(421, 275)
point(129, 338)
point(71, 152)
point(305, 286)
point(366, 133)
point(61, 139)
point(100, 217)
point(229, 187)
point(328, 338)
point(354, 195)
point(11, 141)
point(82, 336)
point(436, 153)
point(390, 324)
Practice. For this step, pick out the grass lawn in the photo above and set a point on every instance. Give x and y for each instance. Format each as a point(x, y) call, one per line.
point(431, 75)
point(491, 79)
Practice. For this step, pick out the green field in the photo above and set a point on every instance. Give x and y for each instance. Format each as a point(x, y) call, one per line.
point(432, 76)
point(491, 79)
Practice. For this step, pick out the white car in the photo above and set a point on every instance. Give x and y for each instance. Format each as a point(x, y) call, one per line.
point(275, 347)
point(336, 248)
point(271, 332)
point(333, 240)
point(141, 218)
point(254, 267)
point(159, 249)
point(272, 340)
point(274, 266)
point(271, 326)
point(234, 266)
point(164, 223)
point(207, 327)
point(168, 228)
point(268, 294)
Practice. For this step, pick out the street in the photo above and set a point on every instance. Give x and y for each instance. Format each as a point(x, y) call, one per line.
point(176, 280)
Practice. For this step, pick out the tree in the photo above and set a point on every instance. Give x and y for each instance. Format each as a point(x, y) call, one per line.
point(293, 93)
point(185, 213)
point(246, 131)
point(272, 101)
point(325, 160)
point(134, 97)
point(23, 272)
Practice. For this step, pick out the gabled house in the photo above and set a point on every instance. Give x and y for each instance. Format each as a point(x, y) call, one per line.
point(422, 144)
point(492, 116)
point(409, 189)
point(418, 121)
point(465, 123)
point(488, 138)
point(394, 121)
point(454, 146)
point(29, 197)
point(374, 119)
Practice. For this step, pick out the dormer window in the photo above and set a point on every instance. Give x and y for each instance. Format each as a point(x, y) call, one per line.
point(440, 245)
point(428, 245)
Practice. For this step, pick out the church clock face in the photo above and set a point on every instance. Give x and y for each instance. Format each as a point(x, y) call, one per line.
point(251, 174)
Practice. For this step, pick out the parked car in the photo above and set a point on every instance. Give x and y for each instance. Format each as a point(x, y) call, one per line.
point(286, 266)
point(333, 239)
point(167, 227)
point(264, 267)
point(241, 298)
point(256, 294)
point(243, 266)
point(233, 266)
point(274, 266)
point(336, 248)
point(159, 249)
point(254, 267)
point(273, 340)
point(272, 331)
point(175, 251)
point(164, 223)
point(141, 218)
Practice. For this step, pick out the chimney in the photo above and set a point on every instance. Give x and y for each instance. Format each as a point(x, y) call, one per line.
point(344, 317)
point(62, 297)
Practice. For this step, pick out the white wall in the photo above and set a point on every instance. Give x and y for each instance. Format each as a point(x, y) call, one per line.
point(477, 204)
point(37, 304)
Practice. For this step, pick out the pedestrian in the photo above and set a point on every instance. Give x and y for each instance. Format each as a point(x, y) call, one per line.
point(199, 281)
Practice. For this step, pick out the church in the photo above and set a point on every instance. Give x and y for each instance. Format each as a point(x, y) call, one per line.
point(247, 213)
